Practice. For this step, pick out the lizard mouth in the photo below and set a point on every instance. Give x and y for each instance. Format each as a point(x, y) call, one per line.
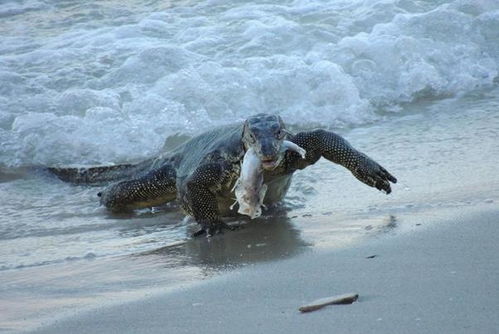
point(269, 164)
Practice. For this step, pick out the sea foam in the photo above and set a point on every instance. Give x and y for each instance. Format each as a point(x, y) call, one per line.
point(92, 90)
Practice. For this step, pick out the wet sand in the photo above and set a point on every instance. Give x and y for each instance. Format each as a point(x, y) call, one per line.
point(439, 277)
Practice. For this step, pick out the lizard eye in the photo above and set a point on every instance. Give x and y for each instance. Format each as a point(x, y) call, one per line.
point(279, 134)
point(252, 137)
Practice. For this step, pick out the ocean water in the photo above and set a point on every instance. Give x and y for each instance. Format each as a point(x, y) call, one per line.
point(414, 84)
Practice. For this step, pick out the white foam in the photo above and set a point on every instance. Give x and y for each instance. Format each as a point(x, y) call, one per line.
point(90, 91)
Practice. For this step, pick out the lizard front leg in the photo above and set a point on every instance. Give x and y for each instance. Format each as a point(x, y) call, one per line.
point(200, 196)
point(322, 143)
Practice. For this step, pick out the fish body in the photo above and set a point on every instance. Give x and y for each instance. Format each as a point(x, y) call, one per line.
point(249, 189)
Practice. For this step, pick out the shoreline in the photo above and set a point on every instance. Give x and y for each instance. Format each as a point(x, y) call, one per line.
point(439, 277)
point(443, 173)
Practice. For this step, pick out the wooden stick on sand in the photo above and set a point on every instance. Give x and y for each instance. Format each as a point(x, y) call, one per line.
point(348, 298)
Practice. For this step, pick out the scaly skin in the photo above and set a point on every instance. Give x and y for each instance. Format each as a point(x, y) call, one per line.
point(202, 172)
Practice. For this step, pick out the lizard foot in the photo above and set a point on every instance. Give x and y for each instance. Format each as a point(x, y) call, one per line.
point(210, 228)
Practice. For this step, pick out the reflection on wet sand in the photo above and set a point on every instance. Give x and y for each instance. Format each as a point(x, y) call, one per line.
point(257, 241)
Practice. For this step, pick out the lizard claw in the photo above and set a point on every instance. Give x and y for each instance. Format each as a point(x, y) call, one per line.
point(374, 175)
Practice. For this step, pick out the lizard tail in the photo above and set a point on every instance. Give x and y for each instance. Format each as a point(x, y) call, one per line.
point(100, 174)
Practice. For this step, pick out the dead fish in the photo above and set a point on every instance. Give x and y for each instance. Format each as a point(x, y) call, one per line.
point(249, 188)
point(348, 298)
point(288, 145)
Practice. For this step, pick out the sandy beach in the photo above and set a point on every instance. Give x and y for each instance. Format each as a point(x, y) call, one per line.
point(441, 277)
point(412, 84)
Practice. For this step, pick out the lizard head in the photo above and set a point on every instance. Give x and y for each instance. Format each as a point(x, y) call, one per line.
point(265, 134)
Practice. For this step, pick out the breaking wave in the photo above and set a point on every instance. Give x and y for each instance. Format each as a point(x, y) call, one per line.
point(108, 81)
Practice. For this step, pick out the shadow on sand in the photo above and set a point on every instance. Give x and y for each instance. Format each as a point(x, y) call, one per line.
point(260, 240)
